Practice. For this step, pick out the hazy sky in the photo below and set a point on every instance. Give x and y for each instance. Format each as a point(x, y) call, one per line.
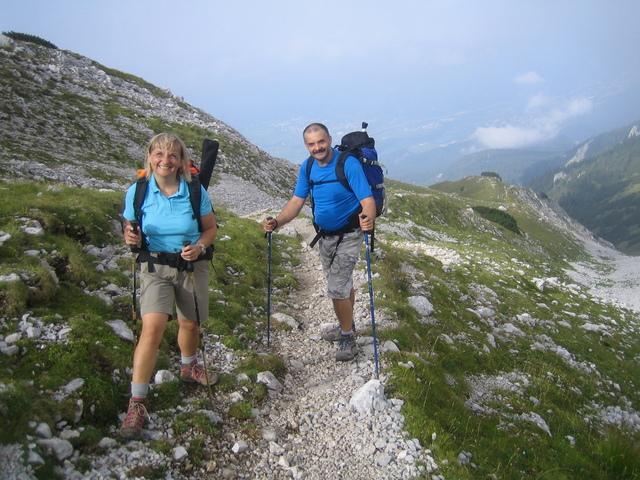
point(493, 74)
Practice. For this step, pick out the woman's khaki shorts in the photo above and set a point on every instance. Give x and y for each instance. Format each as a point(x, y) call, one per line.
point(340, 273)
point(165, 288)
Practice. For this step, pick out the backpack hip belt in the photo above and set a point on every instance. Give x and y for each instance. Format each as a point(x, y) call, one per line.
point(173, 260)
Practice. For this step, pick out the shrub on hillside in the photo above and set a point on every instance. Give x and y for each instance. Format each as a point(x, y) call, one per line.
point(499, 217)
point(25, 37)
point(491, 174)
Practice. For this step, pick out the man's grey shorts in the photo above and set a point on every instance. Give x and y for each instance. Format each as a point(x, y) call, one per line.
point(340, 273)
point(166, 287)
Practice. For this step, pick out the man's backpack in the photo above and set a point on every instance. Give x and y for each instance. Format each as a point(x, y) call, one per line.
point(361, 146)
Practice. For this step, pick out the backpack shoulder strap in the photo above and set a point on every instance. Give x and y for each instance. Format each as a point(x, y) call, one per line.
point(309, 166)
point(195, 196)
point(340, 175)
point(142, 185)
point(138, 199)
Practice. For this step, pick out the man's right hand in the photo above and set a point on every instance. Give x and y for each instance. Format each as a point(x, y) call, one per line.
point(269, 224)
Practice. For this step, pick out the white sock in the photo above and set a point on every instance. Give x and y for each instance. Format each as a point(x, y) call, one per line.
point(187, 360)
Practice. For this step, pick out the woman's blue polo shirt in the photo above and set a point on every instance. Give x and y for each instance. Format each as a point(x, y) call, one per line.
point(167, 222)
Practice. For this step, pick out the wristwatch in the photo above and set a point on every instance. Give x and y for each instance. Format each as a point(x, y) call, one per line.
point(202, 247)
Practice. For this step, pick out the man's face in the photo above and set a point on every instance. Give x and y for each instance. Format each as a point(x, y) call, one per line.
point(318, 142)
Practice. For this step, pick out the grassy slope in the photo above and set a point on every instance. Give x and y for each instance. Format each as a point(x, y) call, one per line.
point(73, 218)
point(435, 391)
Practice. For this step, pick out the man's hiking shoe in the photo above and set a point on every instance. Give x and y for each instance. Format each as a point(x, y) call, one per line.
point(331, 335)
point(334, 334)
point(346, 348)
point(194, 373)
point(137, 416)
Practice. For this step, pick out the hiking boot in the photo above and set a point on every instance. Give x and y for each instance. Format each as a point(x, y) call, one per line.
point(136, 418)
point(194, 373)
point(346, 348)
point(333, 334)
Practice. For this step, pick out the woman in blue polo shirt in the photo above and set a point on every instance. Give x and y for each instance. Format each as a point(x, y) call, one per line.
point(169, 241)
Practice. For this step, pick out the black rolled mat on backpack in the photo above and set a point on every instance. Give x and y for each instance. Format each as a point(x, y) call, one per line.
point(209, 156)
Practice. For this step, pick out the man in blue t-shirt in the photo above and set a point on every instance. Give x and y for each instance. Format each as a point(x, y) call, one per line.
point(341, 214)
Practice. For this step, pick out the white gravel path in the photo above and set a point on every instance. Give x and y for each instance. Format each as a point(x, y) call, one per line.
point(611, 276)
point(317, 435)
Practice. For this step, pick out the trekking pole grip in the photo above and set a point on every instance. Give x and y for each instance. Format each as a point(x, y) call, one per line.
point(134, 228)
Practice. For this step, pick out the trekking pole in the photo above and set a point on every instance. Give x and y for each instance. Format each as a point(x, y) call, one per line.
point(134, 304)
point(269, 288)
point(189, 269)
point(134, 249)
point(371, 308)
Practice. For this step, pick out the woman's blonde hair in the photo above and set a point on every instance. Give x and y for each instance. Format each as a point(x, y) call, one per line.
point(169, 142)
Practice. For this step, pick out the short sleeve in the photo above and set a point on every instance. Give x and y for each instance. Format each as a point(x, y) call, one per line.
point(302, 184)
point(128, 213)
point(206, 206)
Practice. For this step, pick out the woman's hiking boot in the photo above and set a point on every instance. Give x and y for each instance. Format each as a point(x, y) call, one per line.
point(347, 348)
point(194, 373)
point(135, 419)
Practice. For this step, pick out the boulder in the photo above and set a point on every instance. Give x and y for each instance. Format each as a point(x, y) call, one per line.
point(369, 398)
point(421, 305)
point(270, 380)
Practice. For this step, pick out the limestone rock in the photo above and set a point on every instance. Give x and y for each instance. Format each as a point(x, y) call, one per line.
point(62, 449)
point(421, 305)
point(164, 376)
point(286, 319)
point(121, 330)
point(369, 398)
point(270, 380)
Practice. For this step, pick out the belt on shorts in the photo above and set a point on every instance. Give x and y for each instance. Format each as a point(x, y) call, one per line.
point(337, 233)
point(173, 260)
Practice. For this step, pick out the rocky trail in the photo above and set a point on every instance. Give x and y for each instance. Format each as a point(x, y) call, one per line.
point(315, 428)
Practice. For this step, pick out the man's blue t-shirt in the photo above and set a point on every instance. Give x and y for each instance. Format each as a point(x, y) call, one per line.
point(167, 222)
point(334, 204)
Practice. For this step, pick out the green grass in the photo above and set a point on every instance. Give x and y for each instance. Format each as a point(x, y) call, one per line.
point(436, 390)
point(72, 219)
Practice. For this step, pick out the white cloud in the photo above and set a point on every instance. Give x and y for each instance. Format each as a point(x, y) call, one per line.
point(507, 136)
point(543, 127)
point(539, 100)
point(529, 78)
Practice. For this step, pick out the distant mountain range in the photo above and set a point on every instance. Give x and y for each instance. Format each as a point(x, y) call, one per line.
point(599, 185)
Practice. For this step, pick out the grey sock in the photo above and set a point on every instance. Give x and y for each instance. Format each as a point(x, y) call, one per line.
point(139, 390)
